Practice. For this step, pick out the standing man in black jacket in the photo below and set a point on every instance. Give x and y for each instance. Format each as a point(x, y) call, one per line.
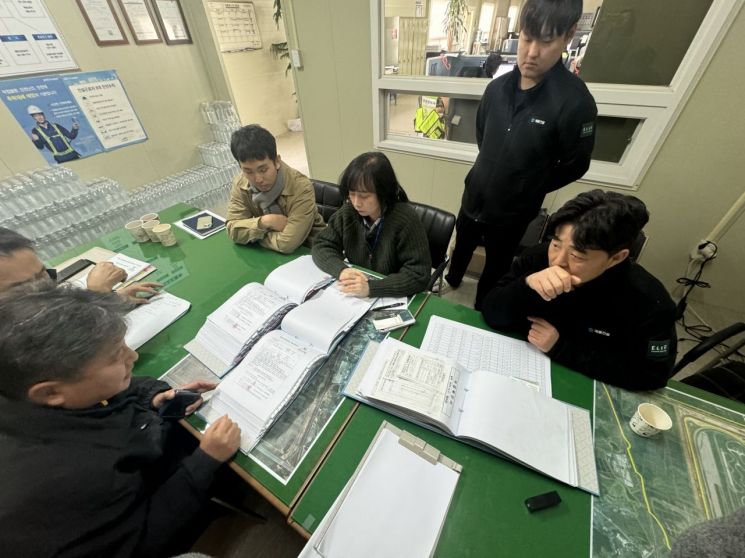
point(535, 129)
point(580, 299)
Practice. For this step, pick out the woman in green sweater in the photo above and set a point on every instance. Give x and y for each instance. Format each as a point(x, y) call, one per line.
point(377, 229)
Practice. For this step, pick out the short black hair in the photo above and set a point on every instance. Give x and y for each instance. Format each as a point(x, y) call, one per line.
point(11, 241)
point(549, 18)
point(53, 333)
point(491, 64)
point(253, 143)
point(373, 172)
point(606, 221)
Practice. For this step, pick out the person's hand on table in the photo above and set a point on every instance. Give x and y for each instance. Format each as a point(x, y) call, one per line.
point(273, 222)
point(221, 439)
point(552, 282)
point(199, 386)
point(104, 276)
point(542, 334)
point(354, 282)
point(130, 291)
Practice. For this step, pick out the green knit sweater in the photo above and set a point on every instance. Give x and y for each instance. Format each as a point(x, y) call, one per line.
point(401, 252)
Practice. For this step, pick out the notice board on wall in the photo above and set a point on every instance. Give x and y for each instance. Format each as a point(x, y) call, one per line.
point(30, 42)
point(235, 25)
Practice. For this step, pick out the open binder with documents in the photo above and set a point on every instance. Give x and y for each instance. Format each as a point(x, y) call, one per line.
point(496, 413)
point(236, 326)
point(401, 492)
point(277, 362)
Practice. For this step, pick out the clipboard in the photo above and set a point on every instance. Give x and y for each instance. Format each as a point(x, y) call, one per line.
point(404, 487)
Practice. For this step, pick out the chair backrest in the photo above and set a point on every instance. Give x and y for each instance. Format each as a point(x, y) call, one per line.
point(328, 198)
point(439, 225)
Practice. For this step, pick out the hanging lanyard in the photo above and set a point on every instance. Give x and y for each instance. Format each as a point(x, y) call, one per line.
point(375, 242)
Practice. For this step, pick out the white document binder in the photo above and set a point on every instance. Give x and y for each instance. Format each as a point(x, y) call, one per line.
point(395, 504)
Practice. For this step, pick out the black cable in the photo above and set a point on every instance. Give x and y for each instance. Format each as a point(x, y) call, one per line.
point(699, 331)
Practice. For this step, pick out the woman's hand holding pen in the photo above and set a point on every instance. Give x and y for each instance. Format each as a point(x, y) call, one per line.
point(353, 282)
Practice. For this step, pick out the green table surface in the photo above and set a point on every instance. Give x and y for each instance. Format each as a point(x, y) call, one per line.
point(206, 272)
point(487, 516)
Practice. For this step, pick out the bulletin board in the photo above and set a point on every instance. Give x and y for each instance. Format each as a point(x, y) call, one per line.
point(30, 42)
point(235, 25)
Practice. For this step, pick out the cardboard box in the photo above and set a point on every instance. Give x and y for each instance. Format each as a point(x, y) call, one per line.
point(476, 266)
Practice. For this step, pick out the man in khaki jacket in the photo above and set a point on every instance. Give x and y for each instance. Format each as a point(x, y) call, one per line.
point(270, 203)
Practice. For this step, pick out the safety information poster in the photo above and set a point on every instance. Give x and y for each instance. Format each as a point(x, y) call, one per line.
point(73, 116)
point(30, 42)
point(104, 102)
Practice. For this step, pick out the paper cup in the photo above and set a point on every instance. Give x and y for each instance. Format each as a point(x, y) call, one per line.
point(135, 229)
point(148, 228)
point(149, 217)
point(165, 234)
point(649, 420)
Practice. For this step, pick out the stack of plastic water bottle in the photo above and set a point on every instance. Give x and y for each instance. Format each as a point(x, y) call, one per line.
point(201, 186)
point(54, 208)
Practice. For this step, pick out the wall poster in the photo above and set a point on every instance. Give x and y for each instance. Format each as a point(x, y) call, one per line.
point(30, 42)
point(73, 116)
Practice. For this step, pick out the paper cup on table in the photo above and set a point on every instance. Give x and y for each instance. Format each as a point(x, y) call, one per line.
point(149, 217)
point(148, 228)
point(165, 234)
point(136, 230)
point(649, 420)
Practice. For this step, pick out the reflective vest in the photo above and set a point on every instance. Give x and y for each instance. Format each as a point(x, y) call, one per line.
point(433, 126)
point(51, 144)
point(429, 123)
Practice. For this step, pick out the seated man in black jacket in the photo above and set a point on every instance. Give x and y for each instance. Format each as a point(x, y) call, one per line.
point(582, 301)
point(85, 471)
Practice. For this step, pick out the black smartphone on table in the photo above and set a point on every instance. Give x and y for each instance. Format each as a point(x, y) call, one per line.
point(176, 407)
point(73, 269)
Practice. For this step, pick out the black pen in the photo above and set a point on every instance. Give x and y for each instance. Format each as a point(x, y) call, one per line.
point(398, 304)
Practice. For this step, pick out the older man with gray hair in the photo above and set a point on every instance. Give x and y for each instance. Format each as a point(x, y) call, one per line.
point(83, 443)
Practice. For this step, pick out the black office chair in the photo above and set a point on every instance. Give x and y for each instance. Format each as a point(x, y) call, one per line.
point(328, 198)
point(439, 225)
point(721, 375)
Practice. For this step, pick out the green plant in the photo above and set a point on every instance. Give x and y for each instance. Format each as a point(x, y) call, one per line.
point(280, 51)
point(454, 23)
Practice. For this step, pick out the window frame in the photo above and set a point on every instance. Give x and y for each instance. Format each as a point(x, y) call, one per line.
point(657, 106)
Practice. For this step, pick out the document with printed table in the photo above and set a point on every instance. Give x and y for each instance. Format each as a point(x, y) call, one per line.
point(478, 349)
point(232, 329)
point(395, 504)
point(493, 412)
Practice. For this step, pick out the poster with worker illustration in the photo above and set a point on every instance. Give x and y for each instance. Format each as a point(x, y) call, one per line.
point(51, 118)
point(74, 115)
